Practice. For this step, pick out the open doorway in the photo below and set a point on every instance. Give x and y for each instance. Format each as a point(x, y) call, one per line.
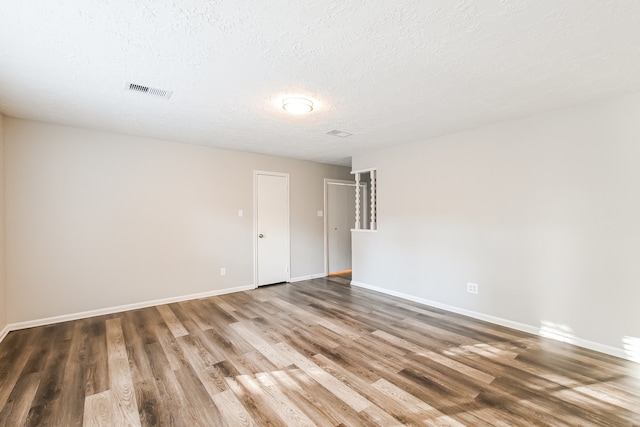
point(339, 208)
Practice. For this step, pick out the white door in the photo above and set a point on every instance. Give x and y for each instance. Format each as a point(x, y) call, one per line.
point(272, 227)
point(340, 209)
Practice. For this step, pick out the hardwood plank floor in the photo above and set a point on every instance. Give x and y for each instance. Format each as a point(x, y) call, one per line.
point(311, 353)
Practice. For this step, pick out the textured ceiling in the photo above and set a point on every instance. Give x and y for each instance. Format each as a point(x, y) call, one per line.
point(388, 71)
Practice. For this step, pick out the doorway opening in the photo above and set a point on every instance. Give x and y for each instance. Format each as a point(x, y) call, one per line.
point(339, 219)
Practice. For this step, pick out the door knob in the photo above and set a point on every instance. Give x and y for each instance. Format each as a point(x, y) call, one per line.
point(261, 235)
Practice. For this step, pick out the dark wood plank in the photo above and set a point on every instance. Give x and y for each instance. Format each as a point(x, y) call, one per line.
point(46, 405)
point(16, 408)
point(96, 372)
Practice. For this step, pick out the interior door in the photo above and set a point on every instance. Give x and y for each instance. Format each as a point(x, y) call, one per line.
point(340, 221)
point(272, 228)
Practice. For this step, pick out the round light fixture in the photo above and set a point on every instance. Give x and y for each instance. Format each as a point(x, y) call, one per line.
point(297, 105)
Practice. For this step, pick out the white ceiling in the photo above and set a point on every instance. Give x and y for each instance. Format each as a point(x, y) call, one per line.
point(388, 71)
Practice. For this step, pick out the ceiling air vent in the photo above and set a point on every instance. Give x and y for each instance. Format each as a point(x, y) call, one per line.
point(148, 90)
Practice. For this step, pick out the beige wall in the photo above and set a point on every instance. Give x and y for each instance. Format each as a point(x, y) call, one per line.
point(3, 295)
point(543, 213)
point(97, 220)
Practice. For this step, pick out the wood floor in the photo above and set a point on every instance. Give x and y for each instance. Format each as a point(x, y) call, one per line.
point(312, 353)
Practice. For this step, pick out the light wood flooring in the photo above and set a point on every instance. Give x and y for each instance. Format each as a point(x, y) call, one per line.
point(312, 353)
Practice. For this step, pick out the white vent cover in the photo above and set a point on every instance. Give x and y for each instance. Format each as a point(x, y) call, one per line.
point(339, 133)
point(148, 90)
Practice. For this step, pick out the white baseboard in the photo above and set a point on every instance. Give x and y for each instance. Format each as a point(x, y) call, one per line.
point(602, 348)
point(303, 278)
point(118, 309)
point(4, 332)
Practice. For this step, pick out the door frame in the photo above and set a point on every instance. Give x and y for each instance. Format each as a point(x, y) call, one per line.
point(327, 182)
point(255, 223)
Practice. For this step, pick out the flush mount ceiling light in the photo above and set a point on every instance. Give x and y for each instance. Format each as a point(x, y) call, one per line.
point(297, 105)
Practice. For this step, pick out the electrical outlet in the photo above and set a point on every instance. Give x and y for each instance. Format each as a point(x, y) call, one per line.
point(472, 288)
point(223, 271)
